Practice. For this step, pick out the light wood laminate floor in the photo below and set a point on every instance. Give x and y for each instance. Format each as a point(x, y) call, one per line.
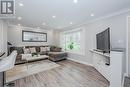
point(69, 74)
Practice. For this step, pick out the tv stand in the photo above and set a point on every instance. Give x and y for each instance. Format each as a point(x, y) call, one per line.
point(100, 53)
point(101, 61)
point(110, 65)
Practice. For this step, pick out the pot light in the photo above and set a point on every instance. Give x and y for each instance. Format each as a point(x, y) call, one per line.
point(92, 15)
point(71, 22)
point(20, 4)
point(75, 1)
point(19, 18)
point(43, 23)
point(53, 16)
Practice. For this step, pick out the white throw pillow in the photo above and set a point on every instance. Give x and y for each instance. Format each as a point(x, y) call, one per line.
point(48, 48)
point(25, 56)
point(43, 49)
point(27, 51)
point(33, 50)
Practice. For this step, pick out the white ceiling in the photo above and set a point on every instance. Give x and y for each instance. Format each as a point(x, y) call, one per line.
point(36, 12)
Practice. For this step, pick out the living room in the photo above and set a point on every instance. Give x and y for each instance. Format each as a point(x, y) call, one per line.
point(84, 45)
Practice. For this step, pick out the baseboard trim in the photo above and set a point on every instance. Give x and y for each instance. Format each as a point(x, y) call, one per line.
point(123, 79)
point(85, 63)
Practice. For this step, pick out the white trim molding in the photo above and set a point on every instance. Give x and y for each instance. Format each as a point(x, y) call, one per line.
point(127, 45)
point(82, 62)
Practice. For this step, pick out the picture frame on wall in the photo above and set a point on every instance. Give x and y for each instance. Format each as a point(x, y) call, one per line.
point(32, 36)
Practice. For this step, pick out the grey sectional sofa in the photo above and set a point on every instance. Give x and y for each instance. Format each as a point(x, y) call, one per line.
point(55, 53)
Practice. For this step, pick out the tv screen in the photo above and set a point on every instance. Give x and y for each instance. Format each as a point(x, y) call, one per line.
point(103, 41)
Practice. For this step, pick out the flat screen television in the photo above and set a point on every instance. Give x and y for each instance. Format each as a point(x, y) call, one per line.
point(103, 41)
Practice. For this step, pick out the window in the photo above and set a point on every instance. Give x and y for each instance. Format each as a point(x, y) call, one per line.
point(71, 41)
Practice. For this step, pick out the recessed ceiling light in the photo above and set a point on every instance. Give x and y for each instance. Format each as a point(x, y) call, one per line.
point(43, 23)
point(92, 15)
point(20, 4)
point(19, 24)
point(53, 16)
point(71, 22)
point(75, 1)
point(19, 18)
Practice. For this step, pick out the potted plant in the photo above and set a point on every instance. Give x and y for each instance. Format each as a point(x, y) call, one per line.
point(71, 46)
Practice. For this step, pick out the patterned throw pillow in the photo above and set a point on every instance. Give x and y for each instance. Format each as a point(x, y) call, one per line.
point(27, 51)
point(43, 49)
point(32, 50)
point(48, 49)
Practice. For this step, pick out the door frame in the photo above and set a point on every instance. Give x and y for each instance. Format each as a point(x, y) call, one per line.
point(127, 45)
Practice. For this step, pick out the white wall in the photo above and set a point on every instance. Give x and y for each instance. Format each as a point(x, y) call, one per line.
point(56, 38)
point(3, 37)
point(15, 36)
point(117, 25)
point(129, 45)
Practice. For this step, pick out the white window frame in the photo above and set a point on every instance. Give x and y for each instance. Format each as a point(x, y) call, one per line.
point(82, 44)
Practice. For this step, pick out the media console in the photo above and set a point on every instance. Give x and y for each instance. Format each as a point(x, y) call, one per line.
point(101, 61)
point(110, 66)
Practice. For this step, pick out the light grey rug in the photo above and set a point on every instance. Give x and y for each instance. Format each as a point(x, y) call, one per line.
point(24, 70)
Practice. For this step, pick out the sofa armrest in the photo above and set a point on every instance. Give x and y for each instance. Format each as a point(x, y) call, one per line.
point(55, 49)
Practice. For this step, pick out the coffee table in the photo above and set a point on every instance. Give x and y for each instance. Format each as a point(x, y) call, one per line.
point(29, 57)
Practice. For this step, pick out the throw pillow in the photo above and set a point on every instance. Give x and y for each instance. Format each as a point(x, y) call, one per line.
point(27, 51)
point(43, 49)
point(33, 50)
point(24, 56)
point(48, 49)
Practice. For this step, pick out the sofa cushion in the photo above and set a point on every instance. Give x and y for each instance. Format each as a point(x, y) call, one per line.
point(24, 56)
point(27, 51)
point(42, 53)
point(55, 49)
point(43, 49)
point(48, 49)
point(37, 48)
point(19, 50)
point(56, 53)
point(32, 50)
point(56, 56)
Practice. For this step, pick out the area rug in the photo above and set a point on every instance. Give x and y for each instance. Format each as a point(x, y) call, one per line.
point(24, 70)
